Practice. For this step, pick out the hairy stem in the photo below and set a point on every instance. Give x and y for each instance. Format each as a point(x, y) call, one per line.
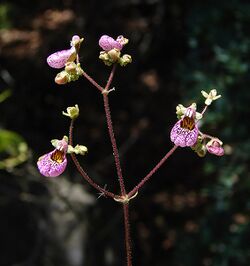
point(150, 174)
point(111, 76)
point(111, 132)
point(114, 145)
point(105, 91)
point(92, 81)
point(82, 172)
point(127, 233)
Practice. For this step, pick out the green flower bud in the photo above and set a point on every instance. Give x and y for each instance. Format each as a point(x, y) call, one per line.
point(78, 149)
point(211, 96)
point(70, 67)
point(125, 59)
point(114, 55)
point(62, 78)
point(73, 77)
point(105, 58)
point(72, 112)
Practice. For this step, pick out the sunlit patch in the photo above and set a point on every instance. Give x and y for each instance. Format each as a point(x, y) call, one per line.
point(187, 123)
point(58, 156)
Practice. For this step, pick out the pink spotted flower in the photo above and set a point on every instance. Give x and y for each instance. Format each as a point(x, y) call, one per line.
point(214, 146)
point(185, 132)
point(107, 43)
point(60, 58)
point(54, 163)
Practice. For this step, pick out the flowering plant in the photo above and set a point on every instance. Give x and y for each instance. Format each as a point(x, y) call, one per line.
point(185, 133)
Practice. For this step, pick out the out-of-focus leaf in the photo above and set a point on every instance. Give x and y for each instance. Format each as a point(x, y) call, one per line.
point(13, 149)
point(4, 20)
point(4, 95)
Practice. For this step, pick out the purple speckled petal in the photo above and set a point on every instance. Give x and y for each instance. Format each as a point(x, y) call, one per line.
point(216, 150)
point(108, 43)
point(59, 59)
point(183, 137)
point(49, 167)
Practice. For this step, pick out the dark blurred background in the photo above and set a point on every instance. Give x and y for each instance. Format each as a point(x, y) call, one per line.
point(195, 211)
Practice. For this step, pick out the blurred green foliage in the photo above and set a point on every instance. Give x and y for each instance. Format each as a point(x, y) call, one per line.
point(4, 18)
point(4, 95)
point(13, 149)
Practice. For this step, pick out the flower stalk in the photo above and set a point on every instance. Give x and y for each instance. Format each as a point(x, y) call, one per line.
point(103, 191)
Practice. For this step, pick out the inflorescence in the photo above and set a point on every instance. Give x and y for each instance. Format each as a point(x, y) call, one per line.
point(185, 133)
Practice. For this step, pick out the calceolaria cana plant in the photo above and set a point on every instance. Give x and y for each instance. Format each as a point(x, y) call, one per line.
point(186, 132)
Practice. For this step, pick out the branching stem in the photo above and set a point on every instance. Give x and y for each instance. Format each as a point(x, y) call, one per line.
point(150, 174)
point(92, 81)
point(82, 172)
point(124, 197)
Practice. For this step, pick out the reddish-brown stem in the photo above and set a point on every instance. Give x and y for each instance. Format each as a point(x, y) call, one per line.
point(91, 80)
point(111, 133)
point(150, 174)
point(105, 93)
point(127, 233)
point(114, 145)
point(82, 172)
point(111, 76)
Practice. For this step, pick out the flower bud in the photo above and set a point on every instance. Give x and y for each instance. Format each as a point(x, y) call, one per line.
point(125, 59)
point(105, 58)
point(214, 146)
point(122, 40)
point(62, 78)
point(70, 67)
point(211, 96)
point(114, 54)
point(78, 149)
point(72, 112)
